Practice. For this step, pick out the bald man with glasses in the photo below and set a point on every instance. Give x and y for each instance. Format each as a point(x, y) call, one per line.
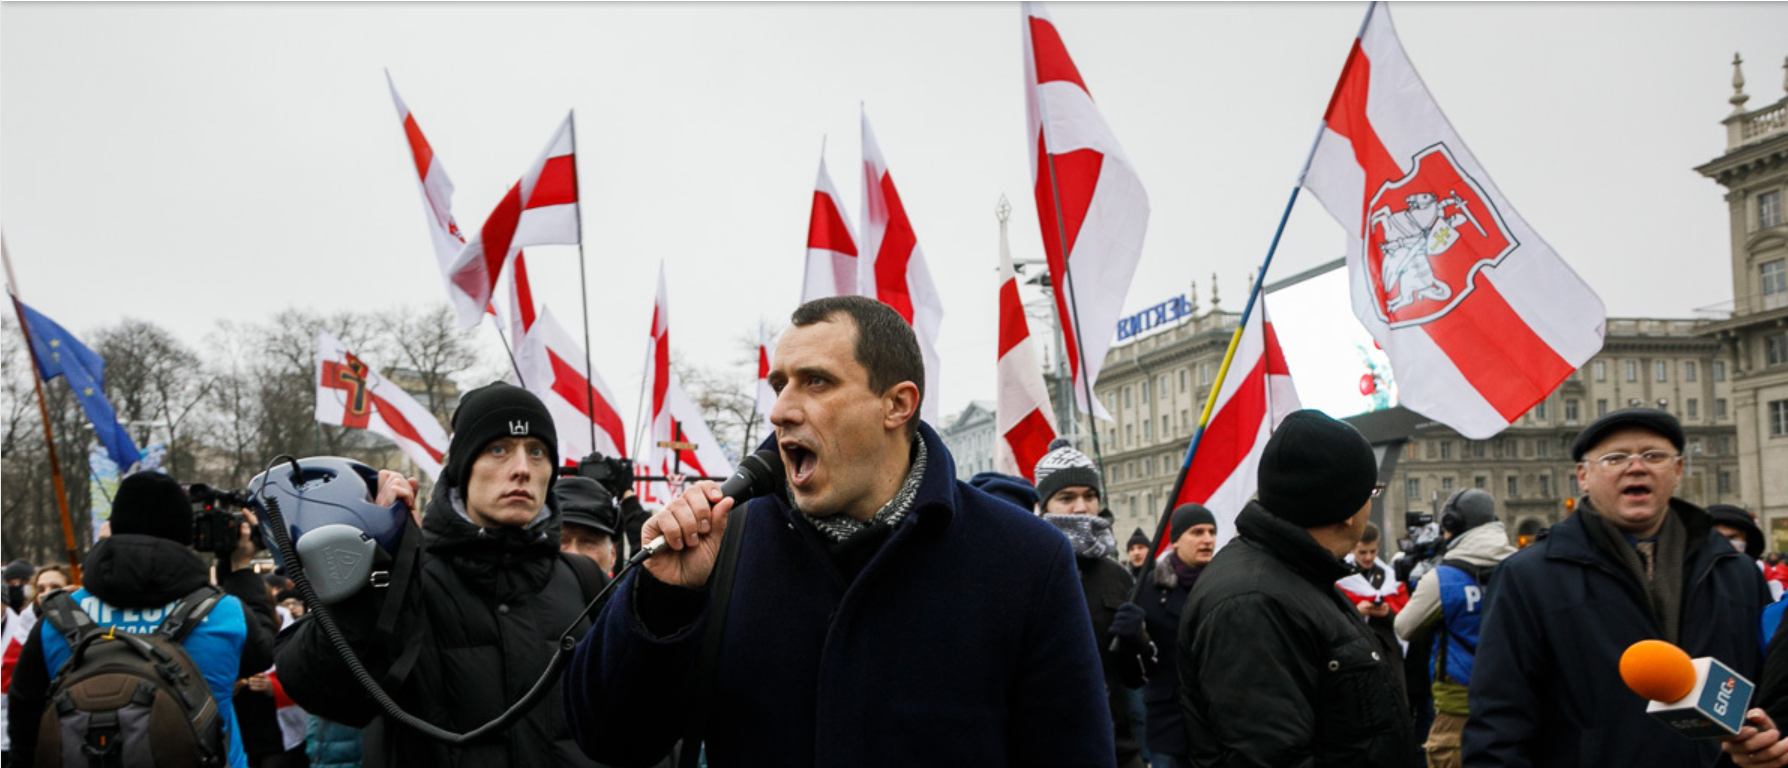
point(1633, 563)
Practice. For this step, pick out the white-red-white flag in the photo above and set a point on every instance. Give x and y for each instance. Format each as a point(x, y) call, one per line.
point(437, 202)
point(1091, 206)
point(552, 363)
point(1023, 417)
point(1481, 319)
point(766, 396)
point(541, 209)
point(892, 269)
point(351, 394)
point(1256, 395)
point(674, 419)
point(831, 244)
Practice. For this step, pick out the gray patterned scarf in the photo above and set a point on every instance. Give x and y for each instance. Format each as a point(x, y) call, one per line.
point(1090, 534)
point(839, 528)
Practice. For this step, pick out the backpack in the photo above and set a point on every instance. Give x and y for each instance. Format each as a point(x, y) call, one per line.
point(124, 700)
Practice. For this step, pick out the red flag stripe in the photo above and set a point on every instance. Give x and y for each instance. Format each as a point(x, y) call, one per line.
point(763, 362)
point(896, 251)
point(571, 384)
point(524, 294)
point(1030, 439)
point(1013, 328)
point(402, 426)
point(1051, 55)
point(419, 148)
point(826, 229)
point(1486, 360)
point(1228, 438)
point(557, 184)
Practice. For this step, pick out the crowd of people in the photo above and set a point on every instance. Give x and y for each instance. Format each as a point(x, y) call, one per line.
point(876, 611)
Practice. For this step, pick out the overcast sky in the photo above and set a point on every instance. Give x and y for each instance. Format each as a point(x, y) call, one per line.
point(194, 162)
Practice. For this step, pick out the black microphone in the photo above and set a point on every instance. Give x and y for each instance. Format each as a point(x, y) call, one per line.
point(758, 474)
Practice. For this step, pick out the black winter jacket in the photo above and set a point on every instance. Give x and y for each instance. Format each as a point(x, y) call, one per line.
point(1107, 585)
point(1163, 598)
point(135, 571)
point(1276, 668)
point(1546, 689)
point(487, 610)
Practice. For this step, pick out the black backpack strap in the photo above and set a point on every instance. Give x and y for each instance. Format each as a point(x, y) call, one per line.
point(406, 569)
point(67, 618)
point(720, 593)
point(589, 574)
point(189, 612)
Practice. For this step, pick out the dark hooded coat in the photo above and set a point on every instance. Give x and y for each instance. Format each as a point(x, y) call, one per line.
point(485, 612)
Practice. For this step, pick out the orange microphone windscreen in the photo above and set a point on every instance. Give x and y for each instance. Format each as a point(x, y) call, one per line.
point(1657, 670)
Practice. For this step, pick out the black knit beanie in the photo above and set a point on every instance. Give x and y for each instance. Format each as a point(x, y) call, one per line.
point(1316, 471)
point(1138, 538)
point(488, 414)
point(152, 504)
point(1187, 515)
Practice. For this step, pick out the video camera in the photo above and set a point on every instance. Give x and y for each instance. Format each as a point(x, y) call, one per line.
point(614, 474)
point(217, 520)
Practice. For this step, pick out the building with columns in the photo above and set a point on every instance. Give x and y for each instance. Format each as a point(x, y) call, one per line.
point(1754, 172)
point(969, 436)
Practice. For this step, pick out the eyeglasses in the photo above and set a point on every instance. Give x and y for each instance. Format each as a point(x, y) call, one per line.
point(1619, 461)
point(1376, 490)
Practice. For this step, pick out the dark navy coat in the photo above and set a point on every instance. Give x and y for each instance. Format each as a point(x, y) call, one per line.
point(1547, 690)
point(965, 640)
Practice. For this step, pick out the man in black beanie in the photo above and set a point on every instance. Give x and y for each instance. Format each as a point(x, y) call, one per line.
point(489, 598)
point(130, 579)
point(1193, 530)
point(1275, 666)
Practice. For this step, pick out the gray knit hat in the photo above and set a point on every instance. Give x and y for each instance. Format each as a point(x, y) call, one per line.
point(1064, 467)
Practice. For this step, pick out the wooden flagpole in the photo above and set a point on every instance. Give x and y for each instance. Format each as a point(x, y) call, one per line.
point(43, 408)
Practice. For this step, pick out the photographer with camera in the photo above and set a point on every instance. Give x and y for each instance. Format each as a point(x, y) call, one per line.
point(136, 579)
point(480, 612)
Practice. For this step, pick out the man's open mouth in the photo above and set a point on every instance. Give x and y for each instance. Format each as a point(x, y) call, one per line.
point(1635, 491)
point(801, 462)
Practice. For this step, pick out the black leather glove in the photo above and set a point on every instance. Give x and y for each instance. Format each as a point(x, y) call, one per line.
point(1127, 623)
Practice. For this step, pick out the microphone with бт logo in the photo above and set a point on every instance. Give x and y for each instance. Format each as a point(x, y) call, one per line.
point(1698, 698)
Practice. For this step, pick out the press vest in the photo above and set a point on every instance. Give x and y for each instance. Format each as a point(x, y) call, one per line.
point(1462, 601)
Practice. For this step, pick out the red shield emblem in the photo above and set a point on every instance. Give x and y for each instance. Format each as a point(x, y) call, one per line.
point(1428, 235)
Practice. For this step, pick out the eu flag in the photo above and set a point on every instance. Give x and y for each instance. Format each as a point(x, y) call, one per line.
point(59, 353)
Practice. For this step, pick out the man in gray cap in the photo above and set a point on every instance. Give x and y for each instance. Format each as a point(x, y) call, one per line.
point(1447, 609)
point(1633, 563)
point(1276, 668)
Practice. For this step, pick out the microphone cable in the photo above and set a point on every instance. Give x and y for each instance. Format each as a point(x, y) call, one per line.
point(560, 658)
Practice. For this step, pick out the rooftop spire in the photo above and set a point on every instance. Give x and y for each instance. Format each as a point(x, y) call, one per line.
point(1738, 86)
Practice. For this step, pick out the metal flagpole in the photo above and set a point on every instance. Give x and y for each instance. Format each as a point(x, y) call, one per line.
point(1068, 286)
point(1235, 339)
point(498, 324)
point(43, 408)
point(583, 286)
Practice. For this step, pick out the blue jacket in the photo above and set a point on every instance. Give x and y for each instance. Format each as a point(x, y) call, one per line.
point(1547, 690)
point(1462, 609)
point(131, 580)
point(330, 744)
point(965, 640)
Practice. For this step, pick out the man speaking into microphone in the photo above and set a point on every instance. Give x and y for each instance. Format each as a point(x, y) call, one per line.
point(865, 624)
point(1634, 563)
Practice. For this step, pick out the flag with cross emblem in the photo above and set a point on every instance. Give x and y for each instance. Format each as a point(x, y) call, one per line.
point(351, 394)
